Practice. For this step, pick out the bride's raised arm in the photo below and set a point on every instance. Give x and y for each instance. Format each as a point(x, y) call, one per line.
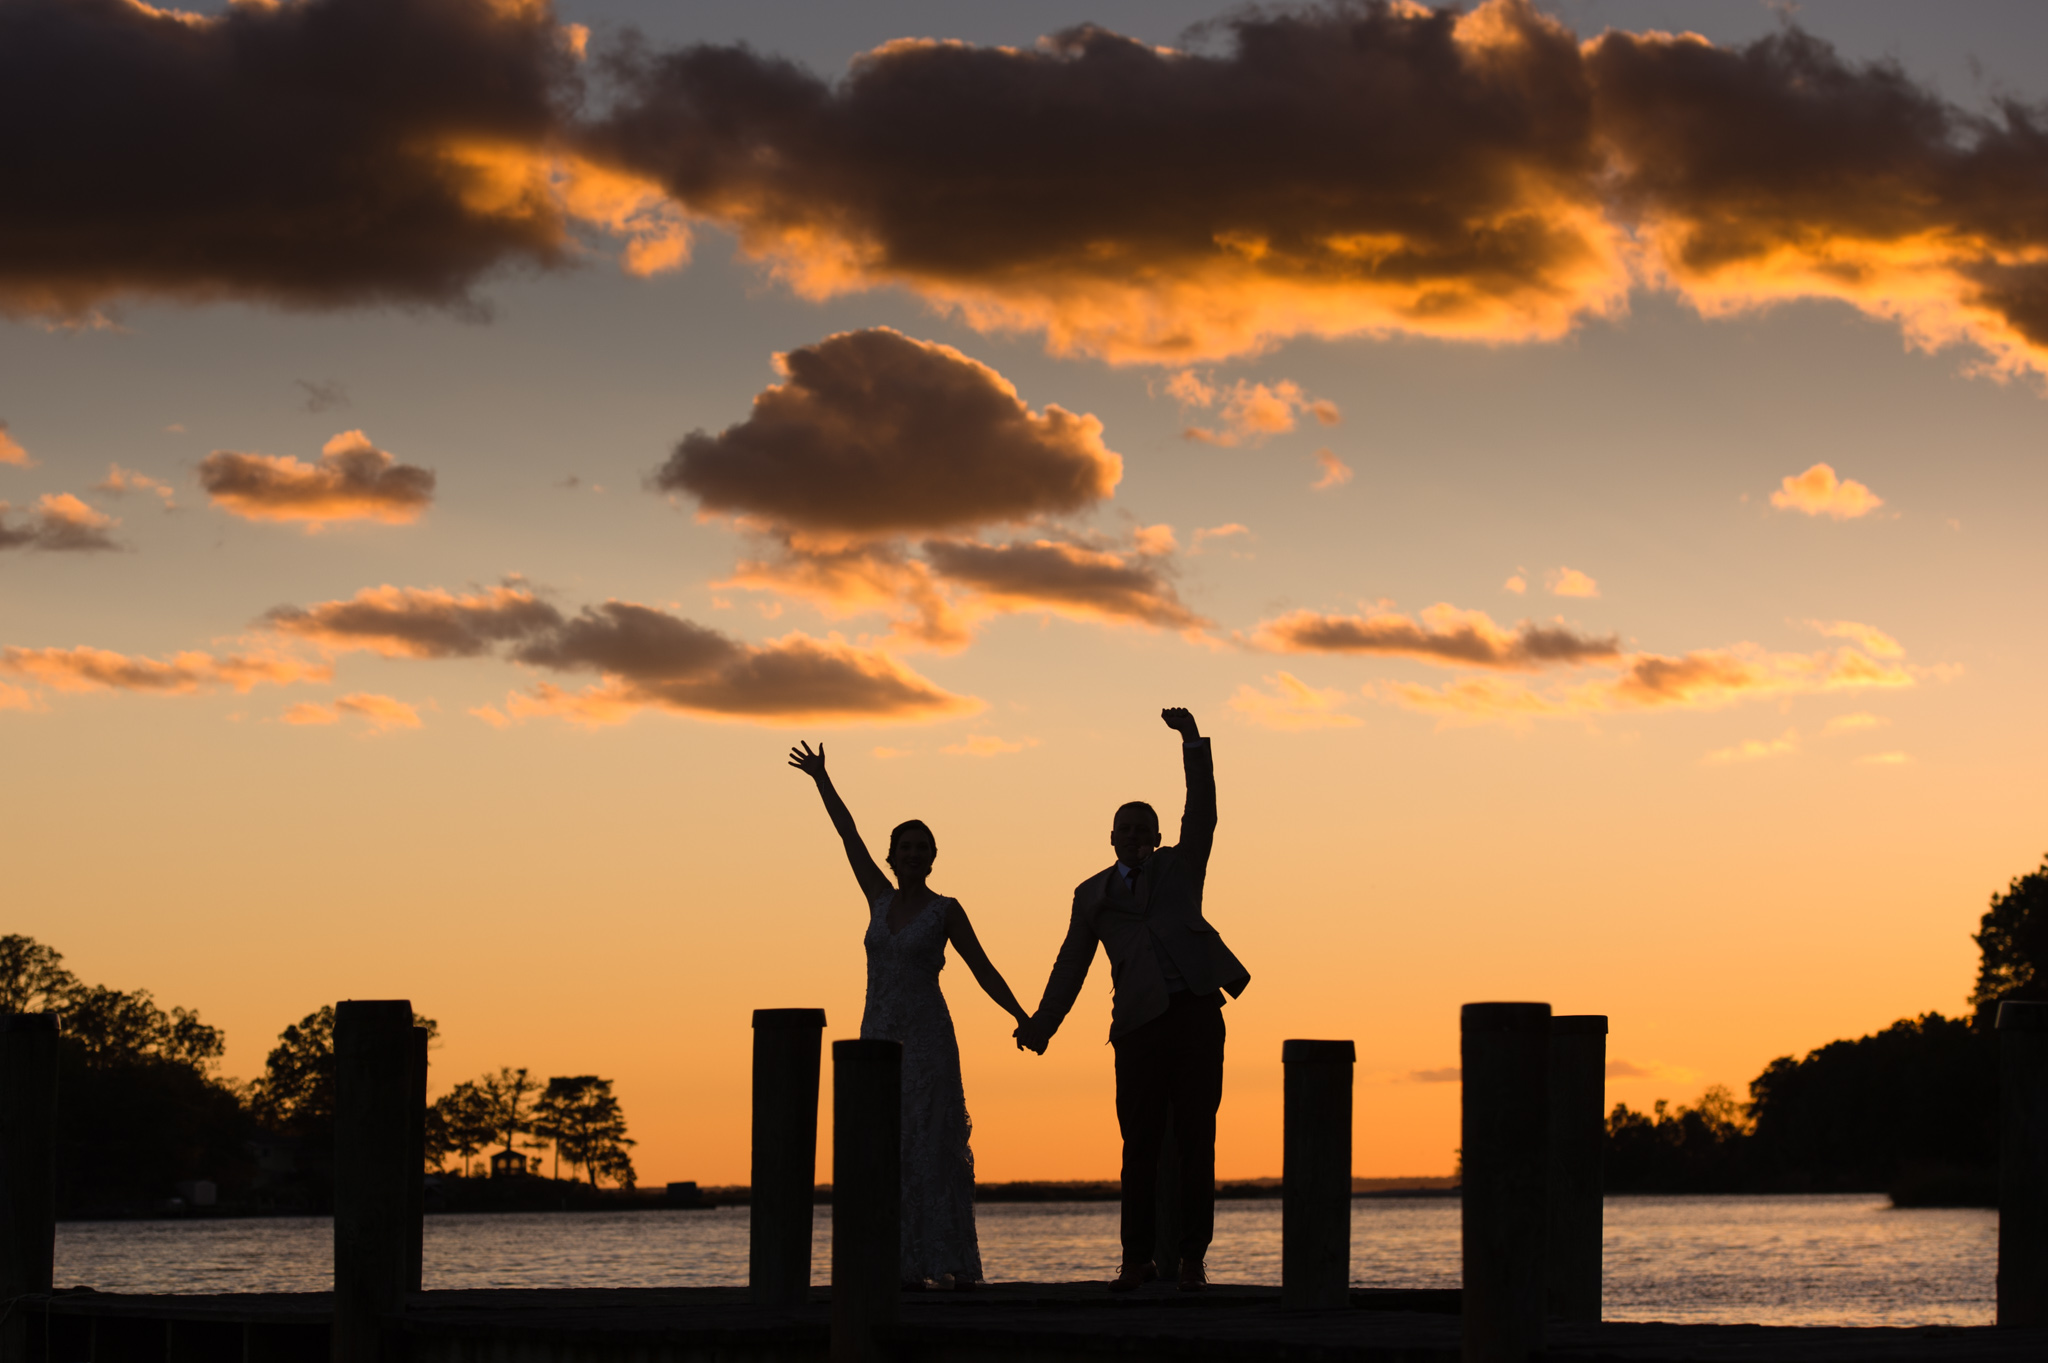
point(961, 933)
point(812, 764)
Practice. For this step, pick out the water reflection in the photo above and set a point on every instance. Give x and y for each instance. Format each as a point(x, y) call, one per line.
point(1844, 1260)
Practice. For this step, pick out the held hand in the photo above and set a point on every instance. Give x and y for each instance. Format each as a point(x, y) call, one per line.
point(1181, 722)
point(1028, 1038)
point(811, 764)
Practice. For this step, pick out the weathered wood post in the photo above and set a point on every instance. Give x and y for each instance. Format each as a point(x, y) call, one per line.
point(867, 1173)
point(1506, 1131)
point(2022, 1164)
point(1578, 1129)
point(1166, 1227)
point(373, 1145)
point(1315, 1175)
point(28, 1169)
point(416, 1176)
point(787, 1042)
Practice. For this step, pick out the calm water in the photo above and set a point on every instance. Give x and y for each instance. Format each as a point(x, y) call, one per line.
point(1848, 1260)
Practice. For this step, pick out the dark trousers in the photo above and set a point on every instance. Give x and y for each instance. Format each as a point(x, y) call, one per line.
point(1171, 1065)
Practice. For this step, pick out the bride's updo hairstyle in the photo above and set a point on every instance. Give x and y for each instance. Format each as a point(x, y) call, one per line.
point(908, 825)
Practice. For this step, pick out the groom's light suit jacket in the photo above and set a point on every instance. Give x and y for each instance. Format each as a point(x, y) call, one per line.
point(1166, 908)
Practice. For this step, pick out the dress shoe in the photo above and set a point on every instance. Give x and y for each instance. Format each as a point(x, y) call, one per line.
point(1193, 1277)
point(1131, 1277)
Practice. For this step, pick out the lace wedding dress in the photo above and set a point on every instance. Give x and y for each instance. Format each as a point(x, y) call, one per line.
point(904, 1004)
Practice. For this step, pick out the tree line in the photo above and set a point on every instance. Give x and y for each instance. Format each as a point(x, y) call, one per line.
point(1911, 1110)
point(142, 1106)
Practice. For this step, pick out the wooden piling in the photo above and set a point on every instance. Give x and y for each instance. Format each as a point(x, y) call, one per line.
point(373, 1151)
point(416, 1174)
point(28, 1170)
point(1315, 1175)
point(1578, 1131)
point(787, 1042)
point(867, 1126)
point(2022, 1164)
point(1506, 1141)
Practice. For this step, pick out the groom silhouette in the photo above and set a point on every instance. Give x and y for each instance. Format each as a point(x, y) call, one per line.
point(1169, 970)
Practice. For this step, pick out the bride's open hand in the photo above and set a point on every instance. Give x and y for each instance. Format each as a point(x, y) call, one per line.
point(811, 764)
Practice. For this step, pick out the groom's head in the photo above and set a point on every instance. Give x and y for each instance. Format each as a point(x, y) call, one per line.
point(1134, 833)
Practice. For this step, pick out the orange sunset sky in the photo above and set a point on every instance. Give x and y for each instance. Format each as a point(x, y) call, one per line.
point(1582, 462)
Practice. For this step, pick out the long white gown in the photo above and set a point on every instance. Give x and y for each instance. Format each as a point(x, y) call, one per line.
point(904, 1004)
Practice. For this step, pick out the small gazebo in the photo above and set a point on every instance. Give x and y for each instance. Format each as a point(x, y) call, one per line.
point(508, 1163)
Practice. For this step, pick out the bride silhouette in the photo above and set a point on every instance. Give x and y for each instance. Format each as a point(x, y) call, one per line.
point(908, 927)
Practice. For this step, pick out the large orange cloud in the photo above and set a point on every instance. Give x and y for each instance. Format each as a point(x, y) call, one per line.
point(875, 433)
point(1340, 171)
point(1444, 634)
point(352, 481)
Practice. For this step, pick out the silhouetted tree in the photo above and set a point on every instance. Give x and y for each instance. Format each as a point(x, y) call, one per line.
point(295, 1095)
point(141, 1107)
point(1861, 1115)
point(2012, 942)
point(1699, 1149)
point(465, 1118)
point(32, 976)
point(582, 1117)
point(505, 1094)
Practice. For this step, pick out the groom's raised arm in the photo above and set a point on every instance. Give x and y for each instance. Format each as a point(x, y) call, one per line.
point(1198, 816)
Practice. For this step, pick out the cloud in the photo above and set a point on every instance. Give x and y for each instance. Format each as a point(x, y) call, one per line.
point(875, 434)
point(1335, 172)
point(858, 579)
point(1064, 579)
point(1571, 582)
point(795, 678)
point(14, 698)
point(98, 669)
point(1205, 534)
point(119, 482)
point(1444, 635)
point(387, 165)
point(983, 745)
point(643, 658)
point(353, 481)
point(11, 451)
point(1818, 492)
point(321, 397)
point(1516, 583)
point(1449, 1074)
point(381, 713)
point(1335, 472)
point(1704, 679)
point(1671, 1074)
point(412, 622)
point(1250, 412)
point(59, 523)
point(1848, 724)
point(1754, 749)
point(1779, 169)
point(1293, 705)
point(1869, 638)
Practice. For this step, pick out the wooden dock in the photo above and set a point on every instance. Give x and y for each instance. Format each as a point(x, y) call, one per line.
point(1005, 1323)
